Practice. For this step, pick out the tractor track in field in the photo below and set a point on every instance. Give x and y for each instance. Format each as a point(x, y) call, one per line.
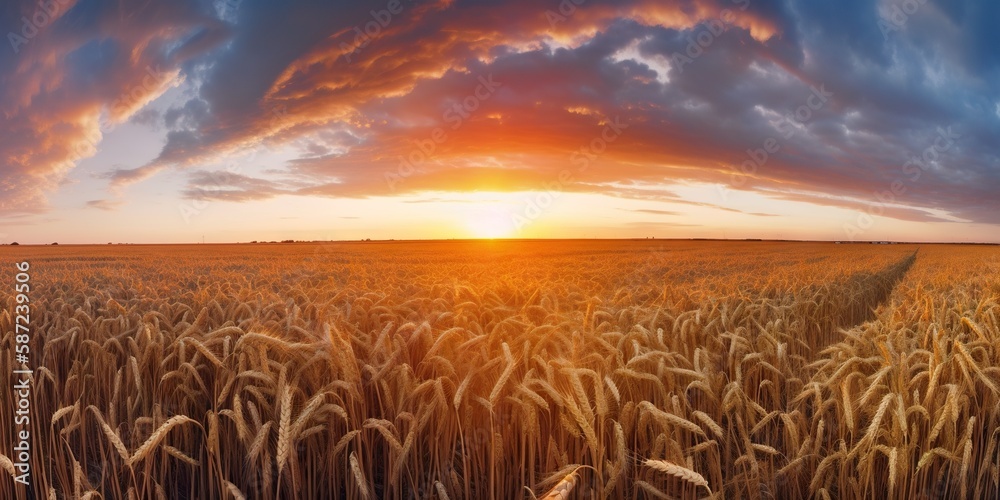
point(866, 292)
point(877, 288)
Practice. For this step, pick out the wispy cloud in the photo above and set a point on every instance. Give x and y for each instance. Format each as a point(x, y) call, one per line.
point(105, 204)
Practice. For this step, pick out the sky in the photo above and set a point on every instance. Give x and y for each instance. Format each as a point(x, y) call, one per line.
point(185, 121)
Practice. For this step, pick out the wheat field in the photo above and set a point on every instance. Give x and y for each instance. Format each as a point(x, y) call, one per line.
point(509, 369)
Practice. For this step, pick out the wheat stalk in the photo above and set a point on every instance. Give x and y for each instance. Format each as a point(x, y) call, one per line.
point(234, 491)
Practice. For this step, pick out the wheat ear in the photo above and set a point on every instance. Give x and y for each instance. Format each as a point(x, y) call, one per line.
point(156, 437)
point(564, 487)
point(110, 433)
point(679, 472)
point(359, 476)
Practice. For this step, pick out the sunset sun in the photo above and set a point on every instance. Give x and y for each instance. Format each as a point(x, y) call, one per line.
point(489, 222)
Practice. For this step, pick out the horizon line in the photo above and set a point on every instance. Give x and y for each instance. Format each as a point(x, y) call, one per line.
point(433, 240)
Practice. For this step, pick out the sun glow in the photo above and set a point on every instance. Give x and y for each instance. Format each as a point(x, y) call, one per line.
point(489, 222)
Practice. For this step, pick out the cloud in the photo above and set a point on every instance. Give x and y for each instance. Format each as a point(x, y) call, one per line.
point(229, 186)
point(94, 64)
point(655, 212)
point(653, 226)
point(622, 98)
point(105, 204)
point(309, 77)
point(147, 116)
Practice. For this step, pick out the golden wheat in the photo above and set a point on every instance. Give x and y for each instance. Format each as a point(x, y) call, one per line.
point(739, 369)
